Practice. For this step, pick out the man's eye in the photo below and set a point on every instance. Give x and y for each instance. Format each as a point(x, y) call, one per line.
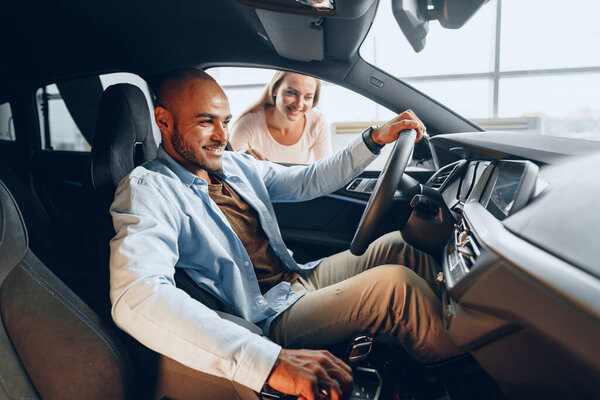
point(205, 121)
point(226, 123)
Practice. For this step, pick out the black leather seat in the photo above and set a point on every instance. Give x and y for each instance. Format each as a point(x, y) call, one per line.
point(58, 347)
point(123, 140)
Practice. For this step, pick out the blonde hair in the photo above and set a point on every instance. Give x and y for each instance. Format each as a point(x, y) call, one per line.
point(267, 98)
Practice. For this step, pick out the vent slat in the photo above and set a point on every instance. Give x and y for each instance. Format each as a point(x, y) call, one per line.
point(440, 179)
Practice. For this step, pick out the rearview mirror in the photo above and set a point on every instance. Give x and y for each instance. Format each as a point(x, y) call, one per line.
point(413, 16)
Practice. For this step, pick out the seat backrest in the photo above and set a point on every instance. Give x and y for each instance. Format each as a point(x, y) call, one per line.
point(36, 218)
point(123, 138)
point(58, 347)
point(122, 141)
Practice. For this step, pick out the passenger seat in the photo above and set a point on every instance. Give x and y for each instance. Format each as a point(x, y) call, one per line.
point(52, 345)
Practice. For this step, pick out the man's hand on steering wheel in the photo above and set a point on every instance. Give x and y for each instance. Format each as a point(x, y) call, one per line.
point(383, 194)
point(388, 132)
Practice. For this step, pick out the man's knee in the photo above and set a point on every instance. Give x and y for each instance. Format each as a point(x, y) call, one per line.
point(404, 306)
point(393, 275)
point(389, 249)
point(400, 290)
point(396, 281)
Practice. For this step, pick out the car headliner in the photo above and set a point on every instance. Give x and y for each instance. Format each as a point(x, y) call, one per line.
point(66, 39)
point(53, 40)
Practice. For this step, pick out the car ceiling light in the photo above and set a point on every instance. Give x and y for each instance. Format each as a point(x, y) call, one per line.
point(318, 4)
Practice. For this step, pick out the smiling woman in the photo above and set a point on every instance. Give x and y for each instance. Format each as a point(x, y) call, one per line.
point(283, 126)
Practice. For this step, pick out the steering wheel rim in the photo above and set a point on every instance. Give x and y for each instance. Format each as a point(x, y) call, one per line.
point(383, 194)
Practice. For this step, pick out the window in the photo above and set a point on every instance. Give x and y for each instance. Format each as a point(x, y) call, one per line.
point(68, 110)
point(564, 105)
point(530, 66)
point(59, 130)
point(7, 127)
point(347, 113)
point(462, 51)
point(561, 35)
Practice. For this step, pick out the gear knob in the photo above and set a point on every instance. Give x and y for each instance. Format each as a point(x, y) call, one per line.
point(359, 350)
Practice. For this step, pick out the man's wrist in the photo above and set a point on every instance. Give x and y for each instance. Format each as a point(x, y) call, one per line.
point(369, 142)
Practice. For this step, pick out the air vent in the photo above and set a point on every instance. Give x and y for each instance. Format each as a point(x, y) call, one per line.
point(439, 179)
point(467, 247)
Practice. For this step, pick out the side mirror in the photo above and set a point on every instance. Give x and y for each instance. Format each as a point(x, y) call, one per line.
point(413, 16)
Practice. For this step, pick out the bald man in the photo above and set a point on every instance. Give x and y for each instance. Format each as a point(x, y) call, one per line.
point(209, 212)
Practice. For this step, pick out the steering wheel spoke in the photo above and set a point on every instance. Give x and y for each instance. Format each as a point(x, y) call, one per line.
point(383, 195)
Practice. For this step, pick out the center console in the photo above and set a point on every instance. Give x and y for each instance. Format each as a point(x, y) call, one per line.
point(504, 188)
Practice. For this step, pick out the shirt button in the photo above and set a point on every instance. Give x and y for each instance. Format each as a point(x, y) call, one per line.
point(261, 301)
point(246, 263)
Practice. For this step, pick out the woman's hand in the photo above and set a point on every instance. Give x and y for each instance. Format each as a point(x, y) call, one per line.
point(255, 153)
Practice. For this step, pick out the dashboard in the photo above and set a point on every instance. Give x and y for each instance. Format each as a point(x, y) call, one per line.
point(521, 268)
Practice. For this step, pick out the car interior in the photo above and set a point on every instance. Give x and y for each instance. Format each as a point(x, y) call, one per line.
point(510, 219)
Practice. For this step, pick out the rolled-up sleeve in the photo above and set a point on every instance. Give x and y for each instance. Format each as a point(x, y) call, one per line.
point(148, 305)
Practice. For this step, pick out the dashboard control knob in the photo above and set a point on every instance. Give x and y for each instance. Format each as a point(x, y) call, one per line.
point(462, 238)
point(440, 277)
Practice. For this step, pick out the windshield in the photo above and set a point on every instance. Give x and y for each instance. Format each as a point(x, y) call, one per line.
point(530, 66)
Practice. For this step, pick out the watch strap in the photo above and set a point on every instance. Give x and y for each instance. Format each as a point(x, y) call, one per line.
point(369, 142)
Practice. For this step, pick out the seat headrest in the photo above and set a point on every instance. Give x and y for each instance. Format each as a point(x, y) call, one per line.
point(123, 136)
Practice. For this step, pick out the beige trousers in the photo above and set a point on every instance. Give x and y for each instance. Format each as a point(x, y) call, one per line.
point(389, 290)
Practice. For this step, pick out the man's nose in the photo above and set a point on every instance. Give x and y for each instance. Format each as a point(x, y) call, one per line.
point(220, 133)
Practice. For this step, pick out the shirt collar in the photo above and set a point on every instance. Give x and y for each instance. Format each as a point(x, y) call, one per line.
point(182, 173)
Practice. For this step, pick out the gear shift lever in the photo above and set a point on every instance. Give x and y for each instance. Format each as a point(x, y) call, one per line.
point(359, 350)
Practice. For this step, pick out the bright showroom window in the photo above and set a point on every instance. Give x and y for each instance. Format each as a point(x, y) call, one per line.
point(530, 66)
point(515, 65)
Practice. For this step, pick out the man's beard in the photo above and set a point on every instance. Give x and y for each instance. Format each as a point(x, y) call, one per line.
point(185, 150)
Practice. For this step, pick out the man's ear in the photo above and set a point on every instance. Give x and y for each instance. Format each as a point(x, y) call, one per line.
point(164, 119)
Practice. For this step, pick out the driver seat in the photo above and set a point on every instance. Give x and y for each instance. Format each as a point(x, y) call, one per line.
point(124, 140)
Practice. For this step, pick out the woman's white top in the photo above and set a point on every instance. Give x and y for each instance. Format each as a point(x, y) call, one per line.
point(251, 130)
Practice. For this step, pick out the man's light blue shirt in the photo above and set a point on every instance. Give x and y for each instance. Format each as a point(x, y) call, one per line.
point(164, 218)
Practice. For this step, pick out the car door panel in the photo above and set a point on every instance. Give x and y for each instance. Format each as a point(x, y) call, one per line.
point(320, 227)
point(326, 225)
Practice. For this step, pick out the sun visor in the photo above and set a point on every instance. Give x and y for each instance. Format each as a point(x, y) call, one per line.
point(297, 37)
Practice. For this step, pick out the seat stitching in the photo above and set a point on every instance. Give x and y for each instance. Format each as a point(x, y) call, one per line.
point(3, 225)
point(11, 394)
point(90, 324)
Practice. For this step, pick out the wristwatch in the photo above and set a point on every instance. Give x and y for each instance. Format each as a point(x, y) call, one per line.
point(369, 142)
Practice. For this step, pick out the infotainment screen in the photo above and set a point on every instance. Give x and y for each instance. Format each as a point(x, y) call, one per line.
point(505, 182)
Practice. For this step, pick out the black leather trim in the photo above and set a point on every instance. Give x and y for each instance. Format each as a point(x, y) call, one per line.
point(13, 233)
point(123, 120)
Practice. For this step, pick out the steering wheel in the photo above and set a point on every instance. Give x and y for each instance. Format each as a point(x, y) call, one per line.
point(383, 194)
